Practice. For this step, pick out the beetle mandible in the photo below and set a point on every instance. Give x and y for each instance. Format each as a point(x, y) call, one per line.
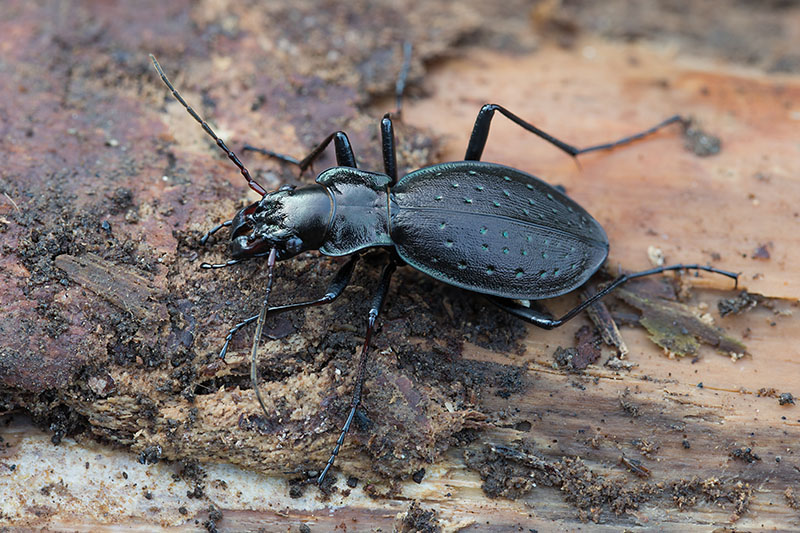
point(480, 226)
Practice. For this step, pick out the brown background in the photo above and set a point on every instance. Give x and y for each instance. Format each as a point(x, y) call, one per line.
point(110, 330)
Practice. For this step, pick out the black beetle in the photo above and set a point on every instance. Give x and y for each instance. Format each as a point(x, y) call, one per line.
point(484, 227)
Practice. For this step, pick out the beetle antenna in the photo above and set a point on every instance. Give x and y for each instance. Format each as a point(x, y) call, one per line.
point(259, 328)
point(232, 156)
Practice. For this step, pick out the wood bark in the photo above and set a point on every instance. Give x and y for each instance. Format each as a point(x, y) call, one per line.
point(110, 330)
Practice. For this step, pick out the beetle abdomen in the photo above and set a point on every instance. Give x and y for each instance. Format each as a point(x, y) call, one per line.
point(494, 230)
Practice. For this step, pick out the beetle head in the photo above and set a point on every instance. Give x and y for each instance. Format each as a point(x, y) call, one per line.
point(288, 220)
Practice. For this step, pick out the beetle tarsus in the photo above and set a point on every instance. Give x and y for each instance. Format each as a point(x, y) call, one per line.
point(215, 266)
point(282, 157)
point(212, 231)
point(400, 84)
point(341, 143)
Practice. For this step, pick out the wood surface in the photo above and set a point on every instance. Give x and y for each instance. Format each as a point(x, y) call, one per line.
point(111, 331)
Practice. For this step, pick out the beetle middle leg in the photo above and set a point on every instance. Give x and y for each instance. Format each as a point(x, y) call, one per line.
point(389, 152)
point(340, 281)
point(542, 319)
point(377, 304)
point(480, 133)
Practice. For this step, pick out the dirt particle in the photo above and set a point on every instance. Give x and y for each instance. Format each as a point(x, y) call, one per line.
point(296, 489)
point(699, 142)
point(121, 200)
point(563, 359)
point(62, 422)
point(419, 520)
point(192, 473)
point(523, 425)
point(635, 466)
point(744, 301)
point(629, 407)
point(786, 398)
point(588, 347)
point(214, 516)
point(647, 447)
point(510, 472)
point(792, 499)
point(745, 454)
point(762, 252)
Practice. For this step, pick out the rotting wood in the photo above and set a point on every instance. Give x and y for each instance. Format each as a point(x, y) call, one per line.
point(732, 206)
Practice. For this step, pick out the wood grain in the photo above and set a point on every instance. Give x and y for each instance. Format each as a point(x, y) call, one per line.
point(111, 334)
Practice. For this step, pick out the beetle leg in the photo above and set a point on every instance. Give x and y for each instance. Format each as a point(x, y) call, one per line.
point(387, 130)
point(340, 280)
point(212, 231)
point(344, 152)
point(537, 318)
point(377, 303)
point(480, 132)
point(389, 153)
point(262, 316)
point(215, 266)
point(400, 84)
point(535, 314)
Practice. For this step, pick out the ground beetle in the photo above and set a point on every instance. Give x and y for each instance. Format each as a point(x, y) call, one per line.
point(480, 226)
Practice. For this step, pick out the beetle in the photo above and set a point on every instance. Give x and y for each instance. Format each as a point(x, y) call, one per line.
point(484, 227)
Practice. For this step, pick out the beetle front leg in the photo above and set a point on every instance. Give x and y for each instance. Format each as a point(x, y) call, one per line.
point(480, 133)
point(212, 231)
point(340, 281)
point(344, 152)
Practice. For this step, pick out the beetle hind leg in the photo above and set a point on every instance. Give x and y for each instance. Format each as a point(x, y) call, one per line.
point(480, 133)
point(538, 317)
point(532, 313)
